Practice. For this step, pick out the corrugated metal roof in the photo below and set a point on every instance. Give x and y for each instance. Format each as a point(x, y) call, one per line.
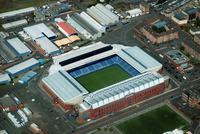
point(39, 30)
point(4, 78)
point(134, 11)
point(22, 66)
point(16, 12)
point(77, 18)
point(15, 24)
point(93, 22)
point(67, 28)
point(124, 88)
point(19, 46)
point(27, 76)
point(64, 86)
point(47, 45)
point(145, 60)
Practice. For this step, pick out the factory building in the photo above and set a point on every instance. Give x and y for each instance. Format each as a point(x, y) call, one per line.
point(66, 92)
point(66, 29)
point(93, 22)
point(83, 26)
point(22, 67)
point(134, 12)
point(14, 24)
point(19, 47)
point(5, 79)
point(16, 14)
point(41, 34)
point(103, 15)
point(47, 46)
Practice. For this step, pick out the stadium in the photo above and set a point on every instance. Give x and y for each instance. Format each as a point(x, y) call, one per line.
point(100, 79)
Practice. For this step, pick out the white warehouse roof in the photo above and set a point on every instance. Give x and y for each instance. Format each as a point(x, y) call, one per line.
point(122, 89)
point(15, 24)
point(19, 46)
point(134, 12)
point(39, 30)
point(22, 66)
point(65, 87)
point(47, 45)
point(16, 12)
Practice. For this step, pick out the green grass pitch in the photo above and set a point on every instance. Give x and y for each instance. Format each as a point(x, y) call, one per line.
point(154, 122)
point(102, 78)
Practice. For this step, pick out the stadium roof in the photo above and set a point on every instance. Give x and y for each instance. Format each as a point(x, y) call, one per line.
point(139, 59)
point(16, 12)
point(19, 46)
point(39, 30)
point(67, 28)
point(47, 45)
point(22, 66)
point(65, 86)
point(122, 89)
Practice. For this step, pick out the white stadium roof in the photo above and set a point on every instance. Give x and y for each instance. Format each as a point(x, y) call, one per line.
point(122, 89)
point(65, 86)
point(19, 46)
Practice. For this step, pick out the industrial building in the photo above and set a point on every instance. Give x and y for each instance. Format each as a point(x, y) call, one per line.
point(19, 47)
point(47, 46)
point(22, 67)
point(39, 30)
point(67, 41)
point(27, 77)
point(66, 92)
point(93, 22)
point(41, 34)
point(16, 14)
point(14, 24)
point(6, 52)
point(158, 30)
point(5, 79)
point(66, 29)
point(83, 26)
point(134, 12)
point(103, 15)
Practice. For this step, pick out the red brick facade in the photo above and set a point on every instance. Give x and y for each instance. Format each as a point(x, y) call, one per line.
point(125, 102)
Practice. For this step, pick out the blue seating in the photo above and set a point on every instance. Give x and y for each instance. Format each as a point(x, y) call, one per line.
point(103, 63)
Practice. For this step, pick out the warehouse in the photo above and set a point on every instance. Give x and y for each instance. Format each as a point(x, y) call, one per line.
point(91, 32)
point(66, 41)
point(93, 23)
point(39, 30)
point(143, 81)
point(16, 14)
point(15, 24)
point(27, 77)
point(66, 29)
point(6, 53)
point(22, 67)
point(134, 12)
point(5, 79)
point(19, 47)
point(47, 46)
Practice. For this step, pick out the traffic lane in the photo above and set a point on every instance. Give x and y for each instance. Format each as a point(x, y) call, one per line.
point(125, 113)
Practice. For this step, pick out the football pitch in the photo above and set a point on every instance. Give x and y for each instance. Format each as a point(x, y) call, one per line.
point(154, 122)
point(102, 78)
